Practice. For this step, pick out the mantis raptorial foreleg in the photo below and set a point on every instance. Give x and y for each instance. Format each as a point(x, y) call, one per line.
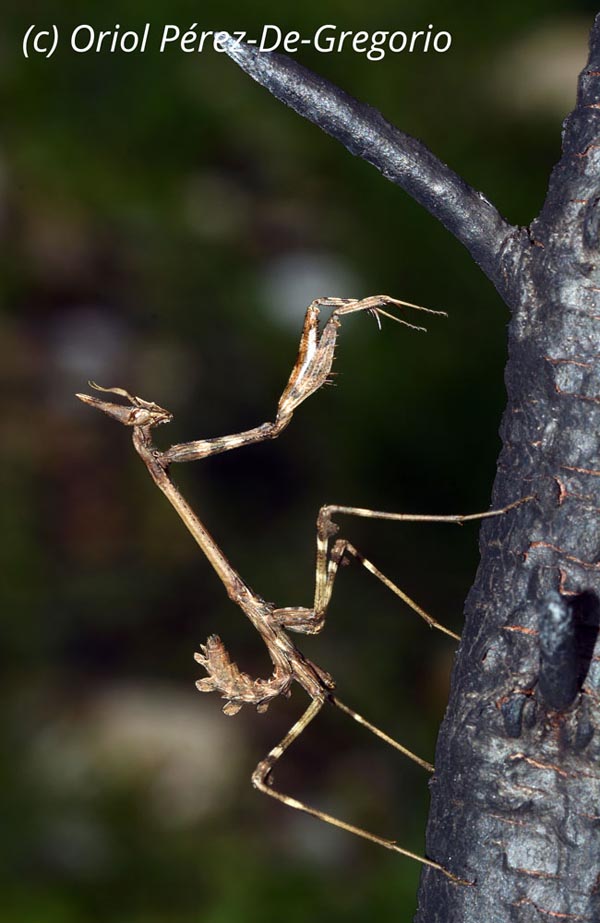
point(311, 370)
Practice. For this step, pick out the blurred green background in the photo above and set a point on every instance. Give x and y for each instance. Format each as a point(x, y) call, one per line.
point(164, 224)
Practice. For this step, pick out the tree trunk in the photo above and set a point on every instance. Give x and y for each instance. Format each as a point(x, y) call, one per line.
point(516, 802)
point(516, 795)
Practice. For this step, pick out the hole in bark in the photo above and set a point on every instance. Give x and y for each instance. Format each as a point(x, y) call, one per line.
point(586, 611)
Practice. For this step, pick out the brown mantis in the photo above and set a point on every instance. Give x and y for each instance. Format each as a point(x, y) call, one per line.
point(311, 371)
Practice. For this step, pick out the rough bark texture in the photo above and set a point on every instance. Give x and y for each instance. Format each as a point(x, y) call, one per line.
point(516, 796)
point(516, 802)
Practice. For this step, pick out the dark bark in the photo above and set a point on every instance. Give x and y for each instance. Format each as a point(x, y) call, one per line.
point(404, 160)
point(516, 796)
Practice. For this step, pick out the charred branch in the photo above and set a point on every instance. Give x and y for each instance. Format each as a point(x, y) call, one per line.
point(404, 160)
point(515, 794)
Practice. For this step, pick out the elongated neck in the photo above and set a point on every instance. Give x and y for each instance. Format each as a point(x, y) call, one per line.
point(233, 583)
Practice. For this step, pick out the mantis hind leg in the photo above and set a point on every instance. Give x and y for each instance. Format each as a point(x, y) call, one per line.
point(261, 780)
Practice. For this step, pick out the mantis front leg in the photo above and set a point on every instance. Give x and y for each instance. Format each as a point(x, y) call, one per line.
point(311, 370)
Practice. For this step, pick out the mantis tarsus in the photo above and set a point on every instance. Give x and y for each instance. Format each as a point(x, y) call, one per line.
point(311, 371)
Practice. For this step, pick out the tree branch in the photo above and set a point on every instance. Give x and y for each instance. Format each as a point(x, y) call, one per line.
point(404, 160)
point(514, 799)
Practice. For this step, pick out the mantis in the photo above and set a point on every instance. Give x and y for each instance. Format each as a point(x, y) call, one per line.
point(311, 371)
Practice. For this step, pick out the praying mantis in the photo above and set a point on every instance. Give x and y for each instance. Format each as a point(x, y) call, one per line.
point(311, 371)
